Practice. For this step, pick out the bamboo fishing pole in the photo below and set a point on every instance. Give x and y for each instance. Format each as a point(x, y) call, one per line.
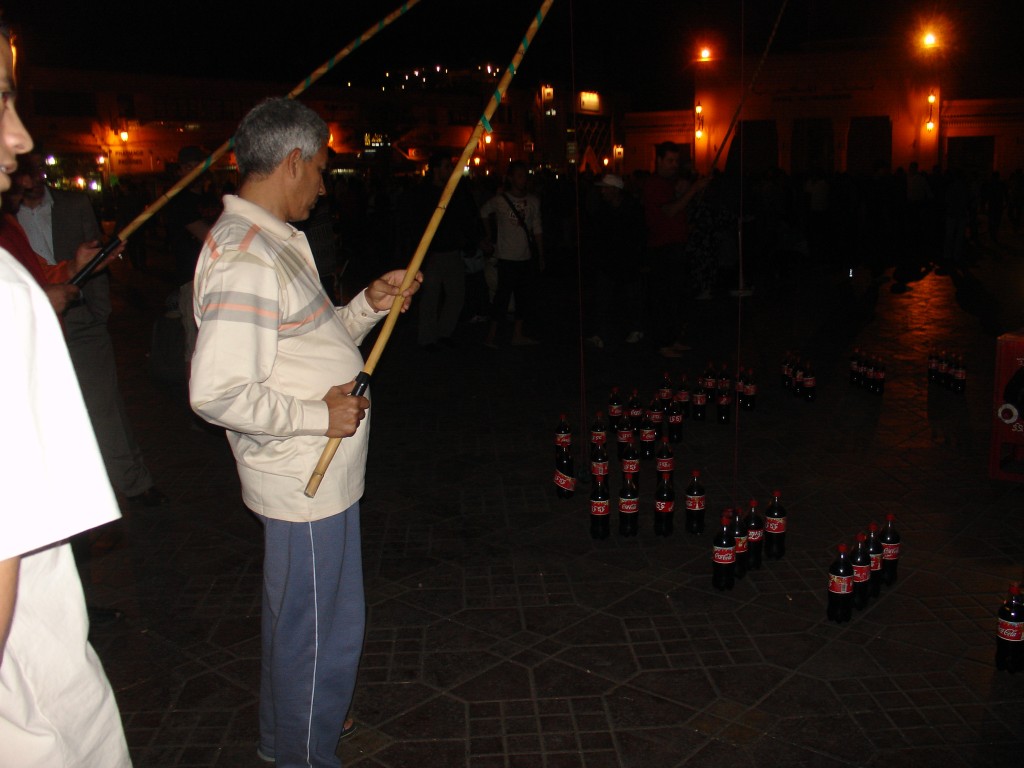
point(187, 179)
point(363, 379)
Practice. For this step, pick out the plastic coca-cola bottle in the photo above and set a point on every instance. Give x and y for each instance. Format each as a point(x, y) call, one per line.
point(648, 437)
point(599, 429)
point(723, 402)
point(755, 535)
point(623, 434)
point(863, 366)
point(666, 392)
point(699, 402)
point(739, 533)
point(775, 528)
point(565, 477)
point(665, 460)
point(674, 420)
point(840, 587)
point(695, 502)
point(741, 389)
point(890, 550)
point(933, 366)
point(855, 369)
point(615, 405)
point(598, 460)
point(635, 411)
point(664, 505)
point(860, 559)
point(682, 395)
point(787, 370)
point(629, 506)
point(710, 380)
point(958, 374)
point(1010, 633)
point(656, 414)
point(798, 379)
point(810, 384)
point(875, 553)
point(600, 508)
point(943, 369)
point(631, 461)
point(723, 568)
point(750, 391)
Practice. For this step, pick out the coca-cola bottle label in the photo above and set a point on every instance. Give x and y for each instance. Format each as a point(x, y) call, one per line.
point(600, 508)
point(876, 561)
point(943, 367)
point(629, 506)
point(665, 393)
point(563, 439)
point(631, 465)
point(775, 524)
point(563, 480)
point(724, 398)
point(880, 374)
point(700, 398)
point(810, 382)
point(755, 535)
point(741, 544)
point(636, 413)
point(840, 585)
point(959, 374)
point(890, 551)
point(799, 376)
point(711, 382)
point(855, 366)
point(656, 417)
point(750, 390)
point(683, 396)
point(598, 438)
point(624, 435)
point(614, 411)
point(861, 573)
point(675, 418)
point(599, 467)
point(724, 555)
point(648, 435)
point(664, 506)
point(695, 503)
point(1011, 630)
point(933, 364)
point(666, 464)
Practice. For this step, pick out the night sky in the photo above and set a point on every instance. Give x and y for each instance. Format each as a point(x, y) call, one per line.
point(643, 47)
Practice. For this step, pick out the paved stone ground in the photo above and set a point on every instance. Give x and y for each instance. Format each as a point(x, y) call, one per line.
point(501, 635)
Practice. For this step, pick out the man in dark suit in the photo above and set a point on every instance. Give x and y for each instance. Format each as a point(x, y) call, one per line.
point(56, 223)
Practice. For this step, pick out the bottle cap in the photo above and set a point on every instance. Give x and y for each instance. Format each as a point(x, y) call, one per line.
point(842, 549)
point(600, 415)
point(696, 473)
point(890, 517)
point(753, 502)
point(1014, 588)
point(862, 537)
point(873, 526)
point(776, 493)
point(726, 520)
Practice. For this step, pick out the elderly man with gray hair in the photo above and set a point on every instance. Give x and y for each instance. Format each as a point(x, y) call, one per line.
point(272, 359)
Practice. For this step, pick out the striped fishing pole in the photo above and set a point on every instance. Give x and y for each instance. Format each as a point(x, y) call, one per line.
point(363, 379)
point(184, 181)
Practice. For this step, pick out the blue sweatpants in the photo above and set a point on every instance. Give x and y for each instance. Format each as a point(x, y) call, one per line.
point(314, 617)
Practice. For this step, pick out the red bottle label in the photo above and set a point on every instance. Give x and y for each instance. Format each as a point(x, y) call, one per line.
point(683, 396)
point(724, 555)
point(598, 438)
point(959, 374)
point(614, 411)
point(666, 465)
point(695, 503)
point(1011, 630)
point(943, 367)
point(563, 439)
point(741, 544)
point(876, 562)
point(599, 508)
point(636, 413)
point(700, 398)
point(664, 506)
point(855, 366)
point(724, 399)
point(624, 435)
point(840, 585)
point(799, 376)
point(599, 467)
point(750, 390)
point(631, 465)
point(890, 551)
point(754, 535)
point(562, 480)
point(810, 382)
point(711, 382)
point(675, 418)
point(775, 524)
point(656, 417)
point(665, 393)
point(648, 435)
point(861, 573)
point(879, 375)
point(629, 506)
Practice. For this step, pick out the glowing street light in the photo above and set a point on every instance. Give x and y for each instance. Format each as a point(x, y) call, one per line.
point(705, 54)
point(929, 40)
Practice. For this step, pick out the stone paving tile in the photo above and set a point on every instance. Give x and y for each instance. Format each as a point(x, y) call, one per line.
point(500, 634)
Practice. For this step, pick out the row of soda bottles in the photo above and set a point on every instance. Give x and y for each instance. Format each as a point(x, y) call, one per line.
point(947, 370)
point(855, 577)
point(798, 377)
point(867, 371)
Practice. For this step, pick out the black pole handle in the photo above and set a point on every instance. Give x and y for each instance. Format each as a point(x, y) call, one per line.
point(83, 274)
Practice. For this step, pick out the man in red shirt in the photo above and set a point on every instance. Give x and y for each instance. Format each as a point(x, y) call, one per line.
point(667, 229)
